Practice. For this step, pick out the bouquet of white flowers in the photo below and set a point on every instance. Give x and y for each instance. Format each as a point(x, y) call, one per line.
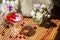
point(38, 12)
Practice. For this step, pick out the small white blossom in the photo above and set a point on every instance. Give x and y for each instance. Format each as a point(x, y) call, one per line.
point(4, 8)
point(49, 16)
point(34, 16)
point(3, 1)
point(43, 6)
point(32, 13)
point(13, 3)
point(41, 10)
point(34, 8)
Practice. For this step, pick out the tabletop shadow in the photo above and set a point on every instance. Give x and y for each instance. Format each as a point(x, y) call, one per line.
point(48, 24)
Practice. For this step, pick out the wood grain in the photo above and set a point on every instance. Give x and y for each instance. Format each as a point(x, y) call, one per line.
point(42, 33)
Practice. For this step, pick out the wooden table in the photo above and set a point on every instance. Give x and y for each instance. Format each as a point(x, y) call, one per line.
point(42, 33)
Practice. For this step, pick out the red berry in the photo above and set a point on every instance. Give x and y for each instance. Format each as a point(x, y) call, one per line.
point(24, 37)
point(2, 34)
point(20, 37)
point(20, 33)
point(10, 36)
point(35, 27)
point(16, 36)
point(22, 24)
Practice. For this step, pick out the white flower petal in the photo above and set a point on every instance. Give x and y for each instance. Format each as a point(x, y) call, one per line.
point(41, 10)
point(32, 13)
point(49, 16)
point(34, 16)
point(34, 8)
point(4, 1)
point(43, 6)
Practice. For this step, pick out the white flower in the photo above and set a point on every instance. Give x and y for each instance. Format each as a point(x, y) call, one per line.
point(32, 13)
point(3, 8)
point(49, 16)
point(34, 8)
point(3, 1)
point(13, 3)
point(8, 2)
point(43, 6)
point(34, 17)
point(41, 10)
point(39, 15)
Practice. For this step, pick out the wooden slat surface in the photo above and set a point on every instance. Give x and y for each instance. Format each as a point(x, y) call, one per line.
point(42, 33)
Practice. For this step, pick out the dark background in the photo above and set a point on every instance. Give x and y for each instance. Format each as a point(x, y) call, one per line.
point(56, 10)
